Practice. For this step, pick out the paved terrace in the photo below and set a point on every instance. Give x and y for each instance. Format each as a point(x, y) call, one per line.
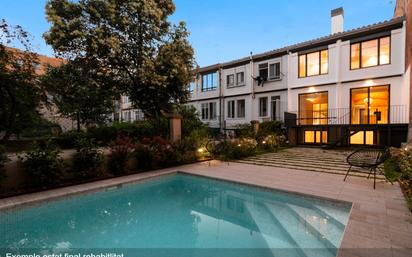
point(380, 223)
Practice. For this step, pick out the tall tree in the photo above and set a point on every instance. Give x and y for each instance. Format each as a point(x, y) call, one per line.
point(20, 92)
point(132, 41)
point(78, 93)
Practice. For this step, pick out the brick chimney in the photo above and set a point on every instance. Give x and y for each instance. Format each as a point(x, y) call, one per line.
point(337, 20)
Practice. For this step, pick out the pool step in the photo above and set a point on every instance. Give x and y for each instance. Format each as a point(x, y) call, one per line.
point(306, 236)
point(274, 234)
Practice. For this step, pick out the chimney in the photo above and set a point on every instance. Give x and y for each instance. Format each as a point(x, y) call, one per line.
point(337, 20)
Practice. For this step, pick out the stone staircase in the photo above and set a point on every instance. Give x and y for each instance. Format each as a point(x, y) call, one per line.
point(310, 159)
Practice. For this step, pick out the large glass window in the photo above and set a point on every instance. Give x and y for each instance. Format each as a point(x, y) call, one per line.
point(315, 136)
point(209, 81)
point(362, 138)
point(370, 105)
point(313, 108)
point(370, 53)
point(312, 64)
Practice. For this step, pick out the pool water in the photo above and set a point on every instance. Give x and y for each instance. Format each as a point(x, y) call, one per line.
point(180, 212)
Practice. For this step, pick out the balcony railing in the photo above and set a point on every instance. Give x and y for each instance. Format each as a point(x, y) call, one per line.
point(395, 114)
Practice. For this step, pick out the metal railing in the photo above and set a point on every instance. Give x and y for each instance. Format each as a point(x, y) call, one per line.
point(394, 114)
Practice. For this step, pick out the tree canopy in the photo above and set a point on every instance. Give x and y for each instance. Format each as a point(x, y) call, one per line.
point(20, 92)
point(79, 94)
point(133, 44)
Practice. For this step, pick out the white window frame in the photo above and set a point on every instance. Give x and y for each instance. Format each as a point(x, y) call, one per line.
point(231, 105)
point(210, 110)
point(261, 107)
point(279, 77)
point(244, 108)
point(242, 83)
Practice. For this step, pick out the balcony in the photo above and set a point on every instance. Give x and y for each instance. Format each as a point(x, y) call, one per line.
point(395, 114)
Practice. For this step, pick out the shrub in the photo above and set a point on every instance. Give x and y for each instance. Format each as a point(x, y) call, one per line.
point(119, 155)
point(87, 159)
point(143, 156)
point(234, 149)
point(3, 160)
point(405, 164)
point(43, 164)
point(69, 139)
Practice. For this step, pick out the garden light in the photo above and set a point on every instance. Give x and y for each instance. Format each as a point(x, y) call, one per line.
point(201, 150)
point(263, 142)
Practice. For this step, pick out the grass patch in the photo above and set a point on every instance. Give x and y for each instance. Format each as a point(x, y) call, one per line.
point(392, 170)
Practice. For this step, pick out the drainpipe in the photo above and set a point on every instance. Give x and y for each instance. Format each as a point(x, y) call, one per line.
point(252, 75)
point(222, 124)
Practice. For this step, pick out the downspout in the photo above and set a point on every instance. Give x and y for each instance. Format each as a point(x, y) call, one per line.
point(222, 124)
point(252, 75)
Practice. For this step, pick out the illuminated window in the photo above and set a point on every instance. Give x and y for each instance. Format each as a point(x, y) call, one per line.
point(370, 53)
point(370, 105)
point(313, 108)
point(312, 64)
point(362, 138)
point(315, 137)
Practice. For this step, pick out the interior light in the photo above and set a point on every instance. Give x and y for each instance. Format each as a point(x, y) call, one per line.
point(369, 82)
point(366, 100)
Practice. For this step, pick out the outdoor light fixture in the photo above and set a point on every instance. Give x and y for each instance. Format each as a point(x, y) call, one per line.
point(200, 150)
point(239, 145)
point(263, 142)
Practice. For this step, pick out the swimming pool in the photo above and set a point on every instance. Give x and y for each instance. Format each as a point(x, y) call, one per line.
point(181, 212)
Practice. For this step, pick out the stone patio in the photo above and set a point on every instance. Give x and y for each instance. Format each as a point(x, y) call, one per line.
point(380, 223)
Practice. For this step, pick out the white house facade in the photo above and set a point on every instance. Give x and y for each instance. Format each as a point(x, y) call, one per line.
point(348, 88)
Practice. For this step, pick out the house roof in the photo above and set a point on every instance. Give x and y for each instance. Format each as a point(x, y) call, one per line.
point(43, 61)
point(346, 35)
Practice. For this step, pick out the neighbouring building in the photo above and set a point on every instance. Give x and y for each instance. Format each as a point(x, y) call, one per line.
point(348, 88)
point(50, 112)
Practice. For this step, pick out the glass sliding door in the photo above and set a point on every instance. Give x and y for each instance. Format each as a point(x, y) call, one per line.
point(370, 105)
point(313, 108)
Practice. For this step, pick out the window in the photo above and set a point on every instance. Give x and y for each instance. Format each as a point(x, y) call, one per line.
point(208, 111)
point(263, 107)
point(240, 78)
point(139, 115)
point(209, 82)
point(269, 71)
point(263, 71)
point(370, 53)
point(315, 137)
point(312, 64)
point(125, 99)
point(230, 80)
point(274, 70)
point(370, 105)
point(313, 108)
point(241, 108)
point(362, 138)
point(191, 87)
point(231, 109)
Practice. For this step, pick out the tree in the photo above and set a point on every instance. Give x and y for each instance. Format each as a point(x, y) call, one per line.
point(20, 92)
point(150, 59)
point(78, 93)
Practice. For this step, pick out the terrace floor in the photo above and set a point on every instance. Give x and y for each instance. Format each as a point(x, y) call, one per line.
point(380, 223)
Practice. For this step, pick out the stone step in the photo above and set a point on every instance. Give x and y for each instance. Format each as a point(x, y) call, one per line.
point(330, 171)
point(299, 161)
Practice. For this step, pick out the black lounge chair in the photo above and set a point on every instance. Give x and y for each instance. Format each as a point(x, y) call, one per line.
point(369, 159)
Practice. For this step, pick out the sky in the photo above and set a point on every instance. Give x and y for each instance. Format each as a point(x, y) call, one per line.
point(224, 30)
